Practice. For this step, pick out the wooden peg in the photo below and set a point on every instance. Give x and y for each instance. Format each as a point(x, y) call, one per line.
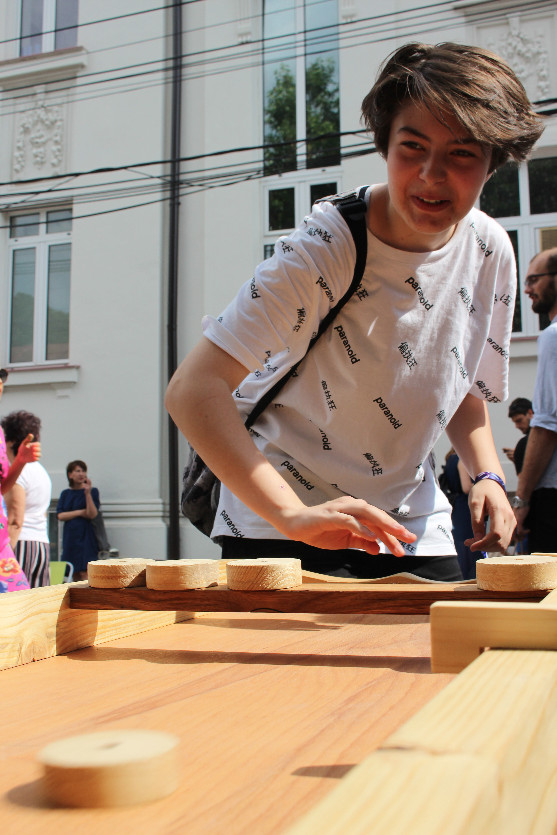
point(117, 574)
point(110, 768)
point(265, 573)
point(174, 575)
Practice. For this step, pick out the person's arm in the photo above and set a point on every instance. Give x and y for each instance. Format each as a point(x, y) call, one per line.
point(470, 434)
point(539, 449)
point(26, 454)
point(199, 400)
point(66, 515)
point(90, 506)
point(15, 504)
point(465, 480)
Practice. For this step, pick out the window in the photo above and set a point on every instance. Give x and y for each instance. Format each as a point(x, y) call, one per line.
point(301, 85)
point(287, 205)
point(47, 25)
point(40, 255)
point(523, 198)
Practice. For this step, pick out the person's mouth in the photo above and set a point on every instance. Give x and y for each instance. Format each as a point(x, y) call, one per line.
point(431, 203)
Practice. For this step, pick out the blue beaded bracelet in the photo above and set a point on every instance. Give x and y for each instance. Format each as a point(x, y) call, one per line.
point(493, 477)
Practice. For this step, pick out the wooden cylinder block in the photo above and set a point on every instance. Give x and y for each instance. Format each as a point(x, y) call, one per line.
point(265, 573)
point(519, 573)
point(174, 575)
point(110, 768)
point(116, 574)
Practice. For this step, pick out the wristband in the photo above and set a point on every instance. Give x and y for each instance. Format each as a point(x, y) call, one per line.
point(493, 477)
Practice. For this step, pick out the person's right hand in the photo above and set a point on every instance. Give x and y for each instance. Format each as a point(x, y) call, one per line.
point(345, 523)
point(29, 450)
point(509, 453)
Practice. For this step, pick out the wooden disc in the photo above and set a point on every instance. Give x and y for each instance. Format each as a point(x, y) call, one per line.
point(519, 573)
point(173, 575)
point(265, 573)
point(116, 574)
point(110, 768)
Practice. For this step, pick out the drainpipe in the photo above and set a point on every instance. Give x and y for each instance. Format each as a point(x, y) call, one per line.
point(173, 533)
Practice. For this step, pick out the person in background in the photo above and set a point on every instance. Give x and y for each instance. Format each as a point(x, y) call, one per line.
point(12, 576)
point(77, 506)
point(535, 501)
point(28, 502)
point(520, 412)
point(456, 484)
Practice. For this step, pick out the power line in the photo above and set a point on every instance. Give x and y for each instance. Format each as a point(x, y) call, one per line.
point(347, 30)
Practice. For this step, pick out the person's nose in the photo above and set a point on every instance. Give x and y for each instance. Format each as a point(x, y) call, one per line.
point(434, 168)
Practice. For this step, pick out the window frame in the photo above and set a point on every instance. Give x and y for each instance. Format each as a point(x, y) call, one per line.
point(299, 41)
point(49, 30)
point(528, 228)
point(302, 185)
point(41, 243)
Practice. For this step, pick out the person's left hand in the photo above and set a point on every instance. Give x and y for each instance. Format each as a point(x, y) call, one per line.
point(487, 499)
point(520, 514)
point(29, 450)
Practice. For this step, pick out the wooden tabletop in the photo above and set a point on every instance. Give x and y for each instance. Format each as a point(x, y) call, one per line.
point(271, 710)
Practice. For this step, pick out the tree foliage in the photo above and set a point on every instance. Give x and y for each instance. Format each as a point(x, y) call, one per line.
point(322, 118)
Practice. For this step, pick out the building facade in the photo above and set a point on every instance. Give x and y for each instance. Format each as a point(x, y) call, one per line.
point(150, 157)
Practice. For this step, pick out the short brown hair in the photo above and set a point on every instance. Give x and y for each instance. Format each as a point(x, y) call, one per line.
point(73, 465)
point(472, 84)
point(17, 425)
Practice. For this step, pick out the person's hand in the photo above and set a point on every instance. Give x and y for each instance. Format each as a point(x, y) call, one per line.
point(29, 451)
point(87, 484)
point(487, 499)
point(509, 453)
point(520, 514)
point(346, 523)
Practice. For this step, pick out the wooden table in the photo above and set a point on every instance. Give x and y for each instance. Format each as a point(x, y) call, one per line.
point(272, 710)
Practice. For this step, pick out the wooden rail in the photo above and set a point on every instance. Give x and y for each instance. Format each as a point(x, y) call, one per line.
point(320, 598)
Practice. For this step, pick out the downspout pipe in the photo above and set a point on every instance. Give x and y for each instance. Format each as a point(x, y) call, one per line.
point(173, 531)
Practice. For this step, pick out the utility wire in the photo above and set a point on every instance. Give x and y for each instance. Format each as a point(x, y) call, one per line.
point(313, 37)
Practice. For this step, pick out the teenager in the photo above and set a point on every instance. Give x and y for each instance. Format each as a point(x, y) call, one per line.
point(339, 466)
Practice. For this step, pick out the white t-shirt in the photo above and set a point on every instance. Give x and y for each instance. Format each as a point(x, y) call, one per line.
point(38, 490)
point(545, 396)
point(374, 395)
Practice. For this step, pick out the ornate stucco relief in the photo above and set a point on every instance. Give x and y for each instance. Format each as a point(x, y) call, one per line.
point(524, 44)
point(39, 138)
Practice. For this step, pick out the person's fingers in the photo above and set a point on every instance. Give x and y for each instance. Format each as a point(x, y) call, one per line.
point(379, 525)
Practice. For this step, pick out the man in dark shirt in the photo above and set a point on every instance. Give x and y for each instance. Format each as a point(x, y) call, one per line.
point(520, 412)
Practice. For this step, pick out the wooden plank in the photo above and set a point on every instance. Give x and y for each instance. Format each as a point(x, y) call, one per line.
point(461, 631)
point(39, 623)
point(318, 598)
point(478, 759)
point(271, 711)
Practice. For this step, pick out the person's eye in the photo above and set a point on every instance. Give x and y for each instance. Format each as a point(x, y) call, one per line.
point(412, 145)
point(465, 152)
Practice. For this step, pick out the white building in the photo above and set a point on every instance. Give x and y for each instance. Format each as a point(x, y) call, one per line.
point(87, 135)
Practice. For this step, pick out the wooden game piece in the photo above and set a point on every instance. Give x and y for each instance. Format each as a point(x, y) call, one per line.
point(518, 573)
point(174, 575)
point(264, 574)
point(110, 768)
point(116, 574)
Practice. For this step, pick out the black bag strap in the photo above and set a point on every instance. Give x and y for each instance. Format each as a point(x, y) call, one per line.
point(353, 208)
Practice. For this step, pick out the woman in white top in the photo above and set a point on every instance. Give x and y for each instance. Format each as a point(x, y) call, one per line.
point(28, 502)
